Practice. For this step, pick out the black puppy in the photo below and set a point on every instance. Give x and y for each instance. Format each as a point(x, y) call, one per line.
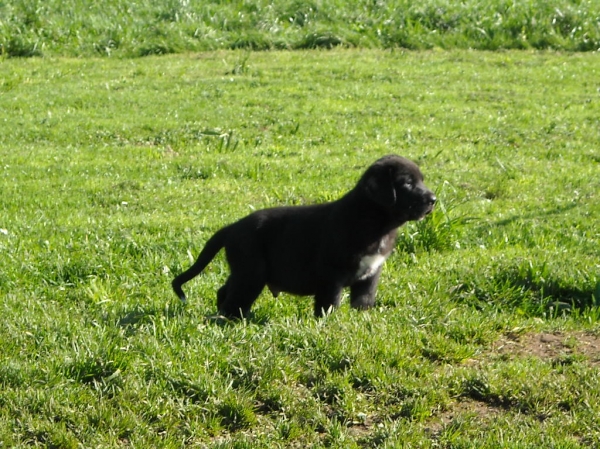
point(320, 249)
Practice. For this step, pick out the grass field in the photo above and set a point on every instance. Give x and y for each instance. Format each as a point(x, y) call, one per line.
point(113, 173)
point(127, 29)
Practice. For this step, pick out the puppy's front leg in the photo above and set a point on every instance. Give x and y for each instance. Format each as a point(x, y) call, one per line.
point(325, 302)
point(362, 293)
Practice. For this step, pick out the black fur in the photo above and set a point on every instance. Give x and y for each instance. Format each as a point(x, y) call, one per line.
point(320, 249)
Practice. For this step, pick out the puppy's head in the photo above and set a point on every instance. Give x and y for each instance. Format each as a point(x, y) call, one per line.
point(396, 184)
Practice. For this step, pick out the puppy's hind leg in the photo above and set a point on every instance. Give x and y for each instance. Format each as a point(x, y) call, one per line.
point(235, 298)
point(325, 302)
point(222, 296)
point(247, 278)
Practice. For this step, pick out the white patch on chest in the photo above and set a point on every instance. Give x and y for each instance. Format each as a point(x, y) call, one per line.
point(369, 265)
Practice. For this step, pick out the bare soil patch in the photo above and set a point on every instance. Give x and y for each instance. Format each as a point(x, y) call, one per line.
point(553, 346)
point(461, 410)
point(550, 346)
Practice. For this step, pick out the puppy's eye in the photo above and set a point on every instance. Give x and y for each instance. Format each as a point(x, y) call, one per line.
point(408, 185)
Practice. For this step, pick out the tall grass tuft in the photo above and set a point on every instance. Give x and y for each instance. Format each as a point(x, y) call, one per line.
point(439, 231)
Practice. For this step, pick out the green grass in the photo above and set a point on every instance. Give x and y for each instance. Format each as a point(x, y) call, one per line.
point(145, 27)
point(113, 173)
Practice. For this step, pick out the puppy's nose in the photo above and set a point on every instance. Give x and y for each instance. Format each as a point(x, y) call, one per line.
point(432, 199)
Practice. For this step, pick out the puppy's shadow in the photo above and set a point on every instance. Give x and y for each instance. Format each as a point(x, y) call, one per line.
point(140, 314)
point(132, 320)
point(251, 318)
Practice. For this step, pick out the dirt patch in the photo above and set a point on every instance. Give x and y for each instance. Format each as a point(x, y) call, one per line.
point(558, 347)
point(462, 410)
point(550, 346)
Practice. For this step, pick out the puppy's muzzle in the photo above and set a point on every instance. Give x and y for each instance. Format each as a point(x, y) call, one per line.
point(429, 200)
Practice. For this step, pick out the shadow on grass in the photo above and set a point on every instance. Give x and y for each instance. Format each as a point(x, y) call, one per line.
point(539, 214)
point(533, 289)
point(251, 318)
point(140, 315)
point(549, 290)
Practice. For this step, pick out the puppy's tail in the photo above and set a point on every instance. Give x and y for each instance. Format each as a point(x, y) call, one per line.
point(208, 253)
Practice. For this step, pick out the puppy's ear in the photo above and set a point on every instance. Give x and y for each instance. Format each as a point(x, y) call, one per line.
point(379, 187)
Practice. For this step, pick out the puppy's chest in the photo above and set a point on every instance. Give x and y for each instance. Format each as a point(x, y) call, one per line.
point(370, 263)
